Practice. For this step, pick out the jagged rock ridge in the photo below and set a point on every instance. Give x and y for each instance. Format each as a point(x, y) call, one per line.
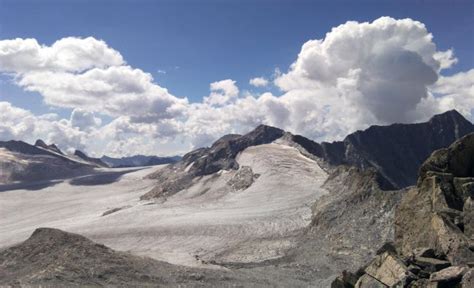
point(51, 147)
point(396, 151)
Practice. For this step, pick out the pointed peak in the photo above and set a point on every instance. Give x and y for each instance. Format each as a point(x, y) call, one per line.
point(266, 132)
point(80, 154)
point(449, 115)
point(41, 143)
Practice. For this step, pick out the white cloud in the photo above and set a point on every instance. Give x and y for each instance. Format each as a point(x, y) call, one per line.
point(360, 74)
point(258, 82)
point(456, 92)
point(222, 92)
point(84, 120)
point(17, 123)
point(67, 55)
point(87, 74)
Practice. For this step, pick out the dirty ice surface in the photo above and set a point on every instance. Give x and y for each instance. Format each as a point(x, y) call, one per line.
point(209, 222)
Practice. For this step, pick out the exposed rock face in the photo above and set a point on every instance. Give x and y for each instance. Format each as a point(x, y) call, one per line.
point(432, 214)
point(433, 224)
point(397, 150)
point(138, 160)
point(94, 161)
point(243, 178)
point(205, 161)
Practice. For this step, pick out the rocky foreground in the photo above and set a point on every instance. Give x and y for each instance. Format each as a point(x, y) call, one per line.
point(55, 258)
point(434, 228)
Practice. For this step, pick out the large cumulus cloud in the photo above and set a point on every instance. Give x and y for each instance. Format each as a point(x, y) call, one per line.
point(386, 65)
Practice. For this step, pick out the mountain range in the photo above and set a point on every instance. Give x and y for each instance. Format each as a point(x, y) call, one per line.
point(267, 208)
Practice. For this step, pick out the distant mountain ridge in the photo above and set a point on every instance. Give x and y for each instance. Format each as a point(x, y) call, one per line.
point(22, 162)
point(397, 151)
point(138, 160)
point(86, 158)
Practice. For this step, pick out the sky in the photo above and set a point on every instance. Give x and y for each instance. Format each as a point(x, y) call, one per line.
point(164, 77)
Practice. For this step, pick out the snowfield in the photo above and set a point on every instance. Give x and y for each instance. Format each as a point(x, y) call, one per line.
point(209, 223)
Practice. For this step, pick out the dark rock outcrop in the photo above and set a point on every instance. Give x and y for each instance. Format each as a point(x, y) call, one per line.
point(94, 161)
point(396, 151)
point(51, 147)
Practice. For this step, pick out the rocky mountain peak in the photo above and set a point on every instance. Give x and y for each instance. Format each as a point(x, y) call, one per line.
point(52, 147)
point(205, 161)
point(396, 151)
point(451, 115)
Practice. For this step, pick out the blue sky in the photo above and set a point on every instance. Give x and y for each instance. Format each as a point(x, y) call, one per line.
point(198, 42)
point(186, 45)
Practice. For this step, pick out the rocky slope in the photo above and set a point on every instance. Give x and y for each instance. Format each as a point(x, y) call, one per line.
point(138, 161)
point(434, 224)
point(54, 258)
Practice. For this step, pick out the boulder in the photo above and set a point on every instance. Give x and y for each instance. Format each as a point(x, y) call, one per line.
point(452, 241)
point(424, 252)
point(431, 264)
point(468, 279)
point(449, 274)
point(465, 186)
point(388, 269)
point(367, 281)
point(345, 280)
point(469, 219)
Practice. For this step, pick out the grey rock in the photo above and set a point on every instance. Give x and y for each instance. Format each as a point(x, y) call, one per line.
point(431, 264)
point(435, 214)
point(449, 274)
point(388, 269)
point(468, 279)
point(367, 281)
point(424, 252)
point(243, 179)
